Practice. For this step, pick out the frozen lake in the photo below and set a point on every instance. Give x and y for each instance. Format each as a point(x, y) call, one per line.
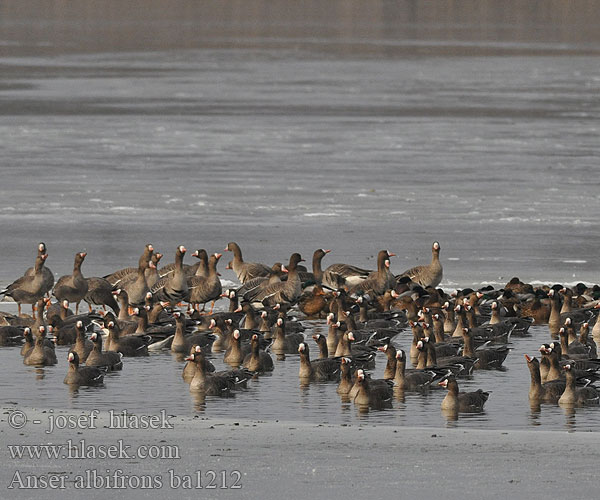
point(299, 126)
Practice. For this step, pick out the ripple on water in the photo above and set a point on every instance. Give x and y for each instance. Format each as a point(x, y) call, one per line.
point(147, 385)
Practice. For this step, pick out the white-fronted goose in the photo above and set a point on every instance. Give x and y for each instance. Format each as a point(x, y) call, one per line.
point(182, 342)
point(173, 288)
point(129, 345)
point(282, 343)
point(258, 360)
point(379, 281)
point(109, 359)
point(203, 289)
point(372, 393)
point(319, 370)
point(48, 274)
point(72, 287)
point(456, 401)
point(245, 270)
point(577, 396)
point(125, 274)
point(200, 268)
point(28, 289)
point(549, 392)
point(82, 346)
point(340, 275)
point(82, 375)
point(251, 287)
point(41, 354)
point(321, 342)
point(285, 292)
point(211, 384)
point(412, 380)
point(100, 294)
point(430, 275)
point(487, 357)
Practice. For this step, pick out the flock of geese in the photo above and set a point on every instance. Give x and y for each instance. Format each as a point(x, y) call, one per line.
point(138, 310)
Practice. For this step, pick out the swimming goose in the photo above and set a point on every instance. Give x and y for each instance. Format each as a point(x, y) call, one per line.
point(211, 384)
point(549, 392)
point(319, 370)
point(285, 344)
point(372, 393)
point(258, 360)
point(429, 275)
point(82, 375)
point(110, 360)
point(456, 401)
point(577, 396)
point(72, 287)
point(487, 357)
point(41, 354)
point(411, 380)
point(129, 345)
point(83, 347)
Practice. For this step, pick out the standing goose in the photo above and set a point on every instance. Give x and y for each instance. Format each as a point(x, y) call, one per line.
point(173, 288)
point(151, 276)
point(245, 270)
point(100, 294)
point(285, 292)
point(109, 359)
point(379, 281)
point(72, 287)
point(456, 401)
point(430, 275)
point(136, 285)
point(316, 276)
point(207, 288)
point(48, 274)
point(82, 375)
point(28, 289)
point(253, 286)
point(338, 276)
point(121, 275)
point(200, 268)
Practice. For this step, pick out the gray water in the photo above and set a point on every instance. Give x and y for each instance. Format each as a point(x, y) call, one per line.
point(292, 126)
